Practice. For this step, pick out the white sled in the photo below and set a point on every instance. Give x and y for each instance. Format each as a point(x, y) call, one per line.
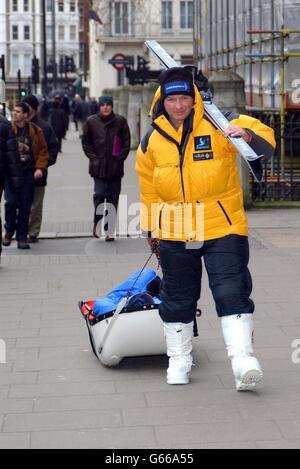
point(130, 331)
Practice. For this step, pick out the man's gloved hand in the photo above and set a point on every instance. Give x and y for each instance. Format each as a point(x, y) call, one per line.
point(154, 247)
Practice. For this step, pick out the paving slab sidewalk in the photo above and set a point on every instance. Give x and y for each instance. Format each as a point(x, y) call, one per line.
point(55, 394)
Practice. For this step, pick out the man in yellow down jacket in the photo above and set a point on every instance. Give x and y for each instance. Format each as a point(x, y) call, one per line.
point(192, 201)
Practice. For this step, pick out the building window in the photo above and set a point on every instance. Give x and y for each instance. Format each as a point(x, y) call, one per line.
point(14, 64)
point(167, 15)
point(49, 33)
point(121, 18)
point(73, 35)
point(72, 6)
point(61, 8)
point(27, 65)
point(15, 5)
point(187, 60)
point(49, 6)
point(26, 5)
point(15, 32)
point(26, 33)
point(61, 32)
point(186, 15)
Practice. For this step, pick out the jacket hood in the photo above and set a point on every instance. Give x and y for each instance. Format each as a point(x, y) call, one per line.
point(157, 110)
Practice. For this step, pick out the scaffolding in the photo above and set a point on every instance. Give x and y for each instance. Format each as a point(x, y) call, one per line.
point(223, 42)
point(260, 41)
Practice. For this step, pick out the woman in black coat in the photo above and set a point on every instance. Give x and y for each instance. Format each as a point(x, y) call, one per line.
point(57, 120)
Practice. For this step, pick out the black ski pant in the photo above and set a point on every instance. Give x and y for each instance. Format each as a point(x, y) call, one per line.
point(106, 191)
point(226, 261)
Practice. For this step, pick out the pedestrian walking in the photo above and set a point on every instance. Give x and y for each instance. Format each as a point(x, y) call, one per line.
point(73, 109)
point(57, 120)
point(94, 106)
point(65, 106)
point(36, 214)
point(192, 201)
point(34, 162)
point(10, 163)
point(44, 109)
point(81, 112)
point(106, 142)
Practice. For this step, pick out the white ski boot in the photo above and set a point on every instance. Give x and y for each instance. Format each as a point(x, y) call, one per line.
point(179, 348)
point(238, 334)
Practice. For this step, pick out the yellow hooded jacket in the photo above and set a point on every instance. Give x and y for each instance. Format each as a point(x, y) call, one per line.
point(191, 191)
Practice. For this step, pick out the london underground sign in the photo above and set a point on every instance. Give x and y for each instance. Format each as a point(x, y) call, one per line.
point(121, 61)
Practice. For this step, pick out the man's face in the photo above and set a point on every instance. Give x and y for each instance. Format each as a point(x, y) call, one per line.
point(179, 107)
point(106, 109)
point(18, 116)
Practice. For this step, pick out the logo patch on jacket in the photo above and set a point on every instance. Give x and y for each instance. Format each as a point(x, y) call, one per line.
point(209, 155)
point(203, 143)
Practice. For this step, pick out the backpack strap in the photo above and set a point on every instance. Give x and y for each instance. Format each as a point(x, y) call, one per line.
point(35, 127)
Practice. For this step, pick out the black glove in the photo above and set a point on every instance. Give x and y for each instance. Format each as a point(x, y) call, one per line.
point(154, 247)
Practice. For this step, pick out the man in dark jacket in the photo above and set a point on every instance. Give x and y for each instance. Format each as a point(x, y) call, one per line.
point(34, 162)
point(10, 163)
point(106, 142)
point(81, 112)
point(36, 213)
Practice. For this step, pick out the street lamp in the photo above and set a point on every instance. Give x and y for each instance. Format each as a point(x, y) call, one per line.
point(45, 82)
point(54, 44)
point(2, 85)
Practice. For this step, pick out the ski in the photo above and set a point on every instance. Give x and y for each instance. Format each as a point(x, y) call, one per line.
point(212, 112)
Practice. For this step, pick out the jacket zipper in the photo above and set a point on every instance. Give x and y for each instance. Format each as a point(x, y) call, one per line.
point(182, 154)
point(225, 213)
point(160, 216)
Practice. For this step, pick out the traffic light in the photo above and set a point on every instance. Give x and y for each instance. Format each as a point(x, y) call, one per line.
point(35, 71)
point(142, 63)
point(23, 93)
point(61, 66)
point(69, 64)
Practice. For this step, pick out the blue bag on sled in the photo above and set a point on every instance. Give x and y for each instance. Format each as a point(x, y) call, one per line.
point(137, 330)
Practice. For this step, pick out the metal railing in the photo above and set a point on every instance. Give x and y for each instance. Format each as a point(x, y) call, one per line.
point(281, 180)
